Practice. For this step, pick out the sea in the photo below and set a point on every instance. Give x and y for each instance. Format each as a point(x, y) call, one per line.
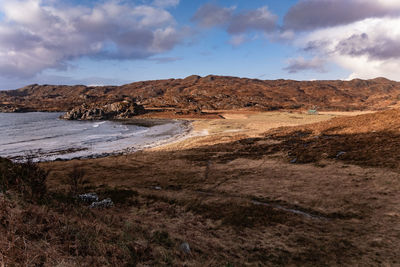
point(42, 136)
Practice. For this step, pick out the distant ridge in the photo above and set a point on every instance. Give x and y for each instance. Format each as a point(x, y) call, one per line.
point(212, 93)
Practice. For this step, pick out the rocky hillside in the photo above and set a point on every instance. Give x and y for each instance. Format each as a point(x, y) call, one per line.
point(211, 93)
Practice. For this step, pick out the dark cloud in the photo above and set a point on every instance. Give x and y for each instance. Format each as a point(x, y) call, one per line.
point(312, 14)
point(296, 65)
point(210, 15)
point(381, 48)
point(48, 36)
point(354, 45)
point(313, 46)
point(259, 20)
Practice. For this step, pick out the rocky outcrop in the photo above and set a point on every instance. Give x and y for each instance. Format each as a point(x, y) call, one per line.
point(116, 110)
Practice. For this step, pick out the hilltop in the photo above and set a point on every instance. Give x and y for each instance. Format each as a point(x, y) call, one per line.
point(211, 93)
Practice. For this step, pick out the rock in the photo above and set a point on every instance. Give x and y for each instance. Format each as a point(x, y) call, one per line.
point(105, 203)
point(293, 161)
point(117, 110)
point(185, 248)
point(88, 197)
point(341, 153)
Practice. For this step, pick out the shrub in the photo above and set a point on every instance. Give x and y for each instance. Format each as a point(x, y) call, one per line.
point(33, 180)
point(6, 174)
point(26, 178)
point(76, 179)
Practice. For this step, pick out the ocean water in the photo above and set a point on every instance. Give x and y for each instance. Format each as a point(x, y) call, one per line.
point(43, 136)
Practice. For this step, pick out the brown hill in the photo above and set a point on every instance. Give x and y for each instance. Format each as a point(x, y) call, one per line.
point(212, 93)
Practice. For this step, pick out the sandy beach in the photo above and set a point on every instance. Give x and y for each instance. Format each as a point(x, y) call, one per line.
point(236, 125)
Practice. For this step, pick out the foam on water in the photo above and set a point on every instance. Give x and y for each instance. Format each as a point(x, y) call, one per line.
point(98, 124)
point(42, 136)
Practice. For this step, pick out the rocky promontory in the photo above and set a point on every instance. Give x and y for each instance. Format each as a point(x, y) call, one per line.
point(117, 110)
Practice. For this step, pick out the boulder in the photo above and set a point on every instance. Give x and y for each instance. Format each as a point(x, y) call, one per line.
point(105, 203)
point(185, 248)
point(116, 110)
point(88, 197)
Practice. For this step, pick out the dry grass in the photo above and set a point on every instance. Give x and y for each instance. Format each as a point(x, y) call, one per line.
point(206, 200)
point(240, 125)
point(239, 203)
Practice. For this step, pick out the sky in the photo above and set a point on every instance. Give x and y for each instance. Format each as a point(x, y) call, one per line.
point(113, 42)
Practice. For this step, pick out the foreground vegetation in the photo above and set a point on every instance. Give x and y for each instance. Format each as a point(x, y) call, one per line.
point(319, 194)
point(40, 227)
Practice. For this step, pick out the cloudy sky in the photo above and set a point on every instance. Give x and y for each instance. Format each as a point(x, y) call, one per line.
point(98, 42)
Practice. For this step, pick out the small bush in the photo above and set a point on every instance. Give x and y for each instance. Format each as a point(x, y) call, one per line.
point(26, 178)
point(7, 176)
point(33, 180)
point(76, 179)
point(162, 238)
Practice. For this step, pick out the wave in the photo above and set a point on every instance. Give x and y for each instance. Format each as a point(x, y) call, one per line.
point(97, 124)
point(48, 136)
point(38, 139)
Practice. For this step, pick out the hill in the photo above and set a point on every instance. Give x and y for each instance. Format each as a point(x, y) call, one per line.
point(212, 93)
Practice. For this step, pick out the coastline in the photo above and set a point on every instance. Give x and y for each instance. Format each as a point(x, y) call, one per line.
point(155, 133)
point(197, 132)
point(187, 132)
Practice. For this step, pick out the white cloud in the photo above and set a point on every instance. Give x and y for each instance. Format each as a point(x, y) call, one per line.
point(361, 36)
point(37, 35)
point(369, 48)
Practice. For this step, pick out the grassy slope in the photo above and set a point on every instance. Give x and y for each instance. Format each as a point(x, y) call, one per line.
point(326, 212)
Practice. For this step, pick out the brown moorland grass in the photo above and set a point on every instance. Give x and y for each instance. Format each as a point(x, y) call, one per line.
point(235, 203)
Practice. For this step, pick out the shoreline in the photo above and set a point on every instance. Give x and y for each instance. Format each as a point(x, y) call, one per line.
point(187, 130)
point(197, 132)
point(156, 135)
point(186, 133)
